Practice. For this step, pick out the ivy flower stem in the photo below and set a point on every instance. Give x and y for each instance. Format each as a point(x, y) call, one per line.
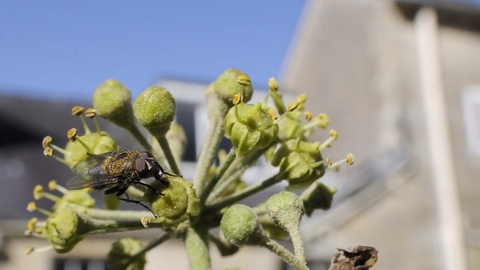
point(286, 255)
point(225, 182)
point(242, 194)
point(220, 172)
point(278, 101)
point(107, 226)
point(207, 154)
point(238, 167)
point(118, 214)
point(139, 137)
point(162, 140)
point(196, 243)
point(297, 244)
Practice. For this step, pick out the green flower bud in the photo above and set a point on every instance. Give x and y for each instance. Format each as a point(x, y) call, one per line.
point(249, 127)
point(97, 143)
point(155, 109)
point(122, 253)
point(232, 82)
point(286, 210)
point(62, 230)
point(177, 203)
point(240, 226)
point(300, 163)
point(111, 101)
point(317, 196)
point(80, 200)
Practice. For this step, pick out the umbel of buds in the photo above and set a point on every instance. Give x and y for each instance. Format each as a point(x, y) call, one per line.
point(181, 207)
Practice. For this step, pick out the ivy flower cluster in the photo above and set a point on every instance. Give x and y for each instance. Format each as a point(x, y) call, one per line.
point(189, 208)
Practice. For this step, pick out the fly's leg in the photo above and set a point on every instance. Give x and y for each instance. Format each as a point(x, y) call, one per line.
point(159, 178)
point(148, 186)
point(120, 190)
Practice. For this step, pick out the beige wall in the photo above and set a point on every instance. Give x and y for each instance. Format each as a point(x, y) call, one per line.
point(357, 61)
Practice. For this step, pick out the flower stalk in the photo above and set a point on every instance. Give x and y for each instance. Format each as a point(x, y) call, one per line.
point(189, 208)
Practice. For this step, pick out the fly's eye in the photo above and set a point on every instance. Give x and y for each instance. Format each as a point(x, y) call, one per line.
point(143, 168)
point(145, 155)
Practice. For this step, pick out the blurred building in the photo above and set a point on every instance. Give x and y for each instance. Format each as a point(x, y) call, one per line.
point(401, 84)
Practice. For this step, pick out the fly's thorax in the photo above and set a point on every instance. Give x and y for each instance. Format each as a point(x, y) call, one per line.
point(120, 162)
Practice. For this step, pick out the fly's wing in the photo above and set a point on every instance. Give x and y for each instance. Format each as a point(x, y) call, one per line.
point(93, 181)
point(89, 173)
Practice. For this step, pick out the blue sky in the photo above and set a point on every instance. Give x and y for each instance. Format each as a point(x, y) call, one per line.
point(65, 49)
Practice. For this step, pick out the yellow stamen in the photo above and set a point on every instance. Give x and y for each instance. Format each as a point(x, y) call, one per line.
point(48, 152)
point(29, 250)
point(273, 84)
point(46, 141)
point(237, 98)
point(38, 192)
point(292, 106)
point(77, 110)
point(72, 134)
point(308, 116)
point(272, 113)
point(322, 120)
point(302, 98)
point(350, 159)
point(31, 206)
point(52, 185)
point(90, 113)
point(31, 223)
point(243, 80)
point(329, 161)
point(333, 134)
point(145, 221)
point(28, 233)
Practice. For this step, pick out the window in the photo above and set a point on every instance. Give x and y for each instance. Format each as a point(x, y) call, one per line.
point(79, 264)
